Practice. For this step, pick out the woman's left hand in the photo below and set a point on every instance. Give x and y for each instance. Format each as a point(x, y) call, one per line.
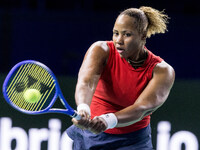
point(97, 125)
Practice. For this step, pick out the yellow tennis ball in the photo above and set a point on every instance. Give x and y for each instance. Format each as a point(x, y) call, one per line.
point(32, 95)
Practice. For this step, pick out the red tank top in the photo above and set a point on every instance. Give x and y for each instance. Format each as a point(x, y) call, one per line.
point(120, 85)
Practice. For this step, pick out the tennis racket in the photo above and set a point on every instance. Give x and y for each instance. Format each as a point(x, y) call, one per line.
point(30, 74)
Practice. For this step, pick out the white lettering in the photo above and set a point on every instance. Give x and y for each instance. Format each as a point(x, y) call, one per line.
point(66, 142)
point(17, 138)
point(184, 137)
point(163, 135)
point(164, 142)
point(54, 134)
point(36, 136)
point(9, 133)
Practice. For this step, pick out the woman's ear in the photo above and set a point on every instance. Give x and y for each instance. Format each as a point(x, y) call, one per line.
point(144, 35)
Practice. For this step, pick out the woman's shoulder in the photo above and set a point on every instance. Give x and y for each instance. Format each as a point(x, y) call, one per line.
point(100, 50)
point(103, 45)
point(164, 68)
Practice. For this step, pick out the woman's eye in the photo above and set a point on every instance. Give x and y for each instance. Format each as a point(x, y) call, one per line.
point(127, 34)
point(115, 33)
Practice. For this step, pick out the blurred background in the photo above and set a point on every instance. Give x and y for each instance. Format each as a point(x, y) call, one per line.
point(58, 33)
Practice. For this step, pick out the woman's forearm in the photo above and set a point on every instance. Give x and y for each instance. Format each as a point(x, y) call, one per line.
point(85, 90)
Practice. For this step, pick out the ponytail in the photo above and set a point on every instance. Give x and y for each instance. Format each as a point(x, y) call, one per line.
point(157, 20)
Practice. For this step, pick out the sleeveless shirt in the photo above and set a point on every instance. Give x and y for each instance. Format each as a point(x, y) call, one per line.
point(120, 85)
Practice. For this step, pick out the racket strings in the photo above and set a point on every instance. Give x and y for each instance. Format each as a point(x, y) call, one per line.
point(28, 82)
point(46, 94)
point(32, 82)
point(35, 75)
point(17, 97)
point(31, 76)
point(16, 84)
point(31, 106)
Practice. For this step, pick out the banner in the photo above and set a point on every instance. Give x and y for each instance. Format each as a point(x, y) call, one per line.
point(175, 126)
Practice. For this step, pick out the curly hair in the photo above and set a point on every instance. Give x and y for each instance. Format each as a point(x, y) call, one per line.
point(148, 20)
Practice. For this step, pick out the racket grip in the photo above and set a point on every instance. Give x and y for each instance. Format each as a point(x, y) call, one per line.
point(76, 116)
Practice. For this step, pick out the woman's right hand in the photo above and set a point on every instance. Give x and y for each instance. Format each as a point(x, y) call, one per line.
point(84, 122)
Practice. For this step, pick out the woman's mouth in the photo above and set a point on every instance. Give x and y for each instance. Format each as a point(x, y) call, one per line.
point(120, 50)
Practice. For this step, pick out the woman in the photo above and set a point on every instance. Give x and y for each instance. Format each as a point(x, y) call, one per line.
point(120, 84)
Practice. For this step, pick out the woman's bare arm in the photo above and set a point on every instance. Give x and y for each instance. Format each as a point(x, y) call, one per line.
point(153, 96)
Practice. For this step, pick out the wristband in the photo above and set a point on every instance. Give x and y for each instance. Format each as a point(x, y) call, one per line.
point(84, 107)
point(110, 119)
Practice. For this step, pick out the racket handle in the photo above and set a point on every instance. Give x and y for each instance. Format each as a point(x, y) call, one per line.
point(76, 116)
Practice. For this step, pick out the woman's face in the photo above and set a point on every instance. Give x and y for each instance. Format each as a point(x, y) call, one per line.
point(126, 38)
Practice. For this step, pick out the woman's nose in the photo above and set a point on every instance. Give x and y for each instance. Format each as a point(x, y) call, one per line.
point(119, 39)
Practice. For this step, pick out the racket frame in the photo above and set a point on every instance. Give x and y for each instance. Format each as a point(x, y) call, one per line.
point(69, 110)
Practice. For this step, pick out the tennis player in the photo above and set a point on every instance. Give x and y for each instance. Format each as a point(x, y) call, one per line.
point(120, 84)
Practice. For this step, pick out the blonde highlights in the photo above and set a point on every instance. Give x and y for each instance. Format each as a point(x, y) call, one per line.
point(148, 20)
point(157, 20)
